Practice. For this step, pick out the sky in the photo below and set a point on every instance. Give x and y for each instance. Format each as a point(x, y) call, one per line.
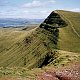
point(35, 9)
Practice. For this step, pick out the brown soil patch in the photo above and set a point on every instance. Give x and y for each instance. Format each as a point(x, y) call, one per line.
point(67, 73)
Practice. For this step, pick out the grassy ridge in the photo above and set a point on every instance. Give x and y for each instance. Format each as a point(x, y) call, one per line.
point(36, 47)
point(28, 48)
point(69, 37)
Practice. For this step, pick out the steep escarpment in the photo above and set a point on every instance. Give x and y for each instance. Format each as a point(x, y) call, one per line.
point(52, 24)
point(53, 21)
point(35, 49)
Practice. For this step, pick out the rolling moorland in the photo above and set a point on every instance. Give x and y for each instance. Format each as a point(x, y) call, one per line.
point(26, 52)
point(18, 22)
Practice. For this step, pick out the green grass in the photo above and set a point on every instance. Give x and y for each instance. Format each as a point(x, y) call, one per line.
point(19, 72)
point(69, 38)
point(64, 58)
point(23, 48)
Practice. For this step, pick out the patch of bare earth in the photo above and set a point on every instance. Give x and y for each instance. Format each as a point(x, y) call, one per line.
point(67, 73)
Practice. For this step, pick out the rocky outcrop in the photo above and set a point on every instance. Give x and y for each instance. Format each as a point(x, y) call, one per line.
point(53, 21)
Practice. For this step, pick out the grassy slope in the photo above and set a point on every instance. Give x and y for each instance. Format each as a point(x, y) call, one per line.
point(23, 48)
point(18, 49)
point(26, 48)
point(69, 39)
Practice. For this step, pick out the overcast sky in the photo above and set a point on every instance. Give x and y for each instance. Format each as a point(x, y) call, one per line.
point(35, 9)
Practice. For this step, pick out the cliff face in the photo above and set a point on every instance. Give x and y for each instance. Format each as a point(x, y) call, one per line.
point(53, 21)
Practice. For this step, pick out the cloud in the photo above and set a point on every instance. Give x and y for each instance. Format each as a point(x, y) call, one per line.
point(33, 9)
point(75, 10)
point(20, 13)
point(36, 4)
point(33, 4)
point(52, 1)
point(3, 2)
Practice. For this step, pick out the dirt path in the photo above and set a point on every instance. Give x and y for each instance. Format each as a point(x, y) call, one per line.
point(72, 26)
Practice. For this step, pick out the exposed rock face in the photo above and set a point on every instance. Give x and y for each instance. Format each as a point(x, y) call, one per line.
point(53, 21)
point(71, 73)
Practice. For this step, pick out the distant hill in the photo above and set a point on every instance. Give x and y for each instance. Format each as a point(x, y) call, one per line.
point(10, 22)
